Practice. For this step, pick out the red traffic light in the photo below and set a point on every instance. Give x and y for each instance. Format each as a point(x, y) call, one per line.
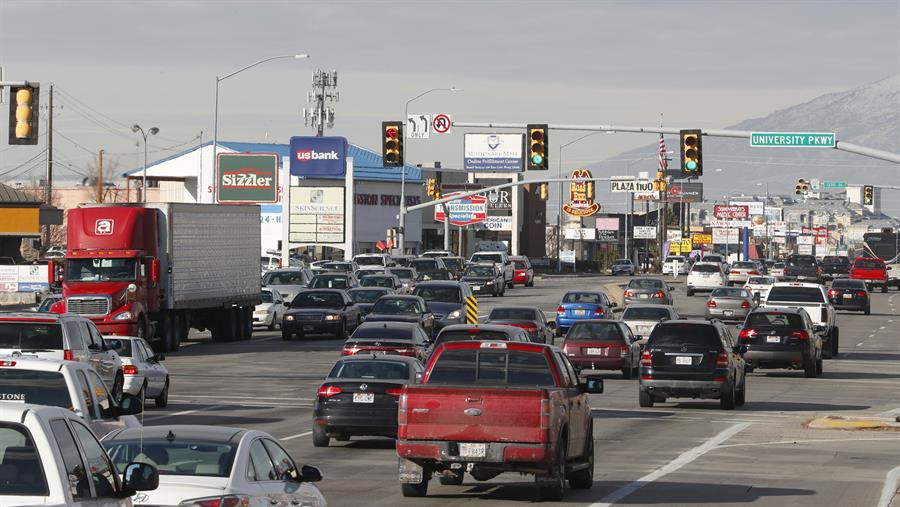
point(391, 132)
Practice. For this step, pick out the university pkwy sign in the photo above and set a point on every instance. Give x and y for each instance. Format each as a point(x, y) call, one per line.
point(792, 139)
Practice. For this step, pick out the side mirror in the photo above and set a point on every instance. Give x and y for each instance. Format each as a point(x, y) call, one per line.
point(94, 347)
point(739, 349)
point(158, 357)
point(613, 304)
point(130, 405)
point(287, 304)
point(670, 287)
point(592, 385)
point(139, 477)
point(551, 324)
point(739, 326)
point(818, 328)
point(310, 473)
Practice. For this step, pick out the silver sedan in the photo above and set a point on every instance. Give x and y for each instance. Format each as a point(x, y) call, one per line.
point(729, 303)
point(648, 290)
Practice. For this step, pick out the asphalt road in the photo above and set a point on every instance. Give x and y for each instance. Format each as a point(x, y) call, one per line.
point(680, 453)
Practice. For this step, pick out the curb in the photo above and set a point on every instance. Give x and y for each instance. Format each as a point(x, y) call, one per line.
point(890, 494)
point(852, 424)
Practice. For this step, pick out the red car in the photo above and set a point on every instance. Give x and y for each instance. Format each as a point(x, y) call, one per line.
point(871, 270)
point(523, 273)
point(603, 345)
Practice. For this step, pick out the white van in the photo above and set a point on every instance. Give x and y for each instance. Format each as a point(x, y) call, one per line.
point(373, 262)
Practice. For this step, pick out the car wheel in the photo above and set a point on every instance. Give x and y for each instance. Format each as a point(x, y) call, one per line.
point(558, 332)
point(809, 368)
point(554, 491)
point(272, 325)
point(453, 478)
point(884, 289)
point(286, 335)
point(727, 399)
point(626, 372)
point(342, 334)
point(320, 438)
point(690, 292)
point(163, 399)
point(868, 310)
point(741, 396)
point(141, 395)
point(645, 399)
point(416, 489)
point(118, 387)
point(584, 478)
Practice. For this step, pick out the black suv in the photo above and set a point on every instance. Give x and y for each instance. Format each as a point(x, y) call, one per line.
point(802, 268)
point(693, 359)
point(782, 338)
point(485, 279)
point(835, 266)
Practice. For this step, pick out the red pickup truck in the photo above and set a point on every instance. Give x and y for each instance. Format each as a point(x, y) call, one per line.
point(488, 407)
point(871, 270)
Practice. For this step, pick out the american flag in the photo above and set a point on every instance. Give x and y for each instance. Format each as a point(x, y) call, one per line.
point(663, 163)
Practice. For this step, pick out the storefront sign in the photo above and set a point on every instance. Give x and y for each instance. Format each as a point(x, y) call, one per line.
point(644, 232)
point(731, 212)
point(580, 233)
point(701, 239)
point(317, 215)
point(582, 204)
point(463, 211)
point(247, 178)
point(386, 200)
point(722, 236)
point(685, 192)
point(318, 156)
point(607, 224)
point(607, 236)
point(493, 152)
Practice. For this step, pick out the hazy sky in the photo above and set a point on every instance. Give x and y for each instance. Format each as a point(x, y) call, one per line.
point(703, 63)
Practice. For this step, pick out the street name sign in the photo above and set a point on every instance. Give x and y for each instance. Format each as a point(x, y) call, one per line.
point(792, 139)
point(834, 184)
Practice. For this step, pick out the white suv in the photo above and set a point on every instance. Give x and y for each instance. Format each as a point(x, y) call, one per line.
point(501, 259)
point(706, 276)
point(373, 262)
point(49, 457)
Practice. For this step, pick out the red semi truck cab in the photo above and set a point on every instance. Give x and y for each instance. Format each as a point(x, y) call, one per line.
point(488, 407)
point(112, 267)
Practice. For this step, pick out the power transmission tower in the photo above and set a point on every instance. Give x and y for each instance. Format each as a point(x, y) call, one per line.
point(324, 86)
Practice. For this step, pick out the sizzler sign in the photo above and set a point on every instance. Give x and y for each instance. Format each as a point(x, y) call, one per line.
point(247, 178)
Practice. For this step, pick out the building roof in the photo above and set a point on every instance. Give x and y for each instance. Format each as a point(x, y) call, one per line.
point(367, 165)
point(9, 195)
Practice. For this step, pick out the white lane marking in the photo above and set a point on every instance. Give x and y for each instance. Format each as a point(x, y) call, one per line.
point(860, 343)
point(810, 441)
point(298, 435)
point(889, 413)
point(185, 412)
point(672, 414)
point(880, 328)
point(686, 458)
point(891, 484)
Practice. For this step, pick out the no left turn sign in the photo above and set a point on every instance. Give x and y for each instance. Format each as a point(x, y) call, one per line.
point(441, 123)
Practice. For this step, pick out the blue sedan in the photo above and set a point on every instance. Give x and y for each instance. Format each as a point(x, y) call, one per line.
point(581, 305)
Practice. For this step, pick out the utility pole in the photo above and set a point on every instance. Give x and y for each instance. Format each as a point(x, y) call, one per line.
point(45, 241)
point(100, 178)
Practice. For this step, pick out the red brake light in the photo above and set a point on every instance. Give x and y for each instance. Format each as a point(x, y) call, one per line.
point(68, 355)
point(401, 416)
point(753, 272)
point(861, 293)
point(394, 391)
point(560, 311)
point(801, 335)
point(722, 360)
point(599, 311)
point(735, 272)
point(711, 303)
point(646, 358)
point(629, 294)
point(129, 369)
point(7, 363)
point(659, 294)
point(747, 334)
point(225, 501)
point(329, 391)
point(833, 293)
point(545, 414)
point(745, 304)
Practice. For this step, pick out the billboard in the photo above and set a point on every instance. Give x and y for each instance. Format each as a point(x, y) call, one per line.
point(722, 236)
point(753, 207)
point(607, 224)
point(644, 232)
point(246, 178)
point(317, 215)
point(685, 192)
point(493, 152)
point(581, 201)
point(318, 156)
point(731, 212)
point(464, 211)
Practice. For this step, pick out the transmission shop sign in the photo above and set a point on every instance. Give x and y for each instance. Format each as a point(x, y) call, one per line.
point(581, 199)
point(723, 212)
point(464, 211)
point(792, 139)
point(245, 178)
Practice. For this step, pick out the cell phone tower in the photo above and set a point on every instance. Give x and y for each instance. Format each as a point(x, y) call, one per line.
point(319, 116)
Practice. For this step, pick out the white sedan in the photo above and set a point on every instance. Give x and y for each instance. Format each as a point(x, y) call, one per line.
point(145, 375)
point(215, 465)
point(270, 312)
point(760, 285)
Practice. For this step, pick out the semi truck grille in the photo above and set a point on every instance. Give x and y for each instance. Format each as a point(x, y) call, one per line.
point(88, 305)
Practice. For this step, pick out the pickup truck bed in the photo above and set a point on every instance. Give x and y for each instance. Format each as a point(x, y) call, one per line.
point(812, 298)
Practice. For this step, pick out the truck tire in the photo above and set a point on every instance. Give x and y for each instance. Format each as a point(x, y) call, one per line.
point(167, 328)
point(690, 292)
point(452, 478)
point(809, 368)
point(626, 372)
point(179, 334)
point(740, 397)
point(248, 322)
point(884, 288)
point(416, 489)
point(835, 341)
point(555, 491)
point(143, 330)
point(645, 399)
point(584, 478)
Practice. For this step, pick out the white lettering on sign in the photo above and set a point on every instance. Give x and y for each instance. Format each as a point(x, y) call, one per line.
point(248, 178)
point(307, 155)
point(731, 212)
point(12, 397)
point(104, 226)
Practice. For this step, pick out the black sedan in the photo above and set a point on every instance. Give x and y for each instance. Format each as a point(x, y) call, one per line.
point(365, 297)
point(529, 318)
point(401, 338)
point(318, 311)
point(848, 294)
point(360, 396)
point(403, 309)
point(390, 281)
point(464, 332)
point(485, 279)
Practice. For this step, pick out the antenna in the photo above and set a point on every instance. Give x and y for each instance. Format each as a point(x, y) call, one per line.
point(320, 116)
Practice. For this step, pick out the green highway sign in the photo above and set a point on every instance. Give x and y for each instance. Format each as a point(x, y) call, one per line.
point(245, 178)
point(834, 184)
point(792, 139)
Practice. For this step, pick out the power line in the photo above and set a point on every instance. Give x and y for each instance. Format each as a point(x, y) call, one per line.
point(73, 142)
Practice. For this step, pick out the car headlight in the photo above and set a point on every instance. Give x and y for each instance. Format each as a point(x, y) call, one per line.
point(454, 314)
point(288, 317)
point(332, 316)
point(123, 316)
point(489, 283)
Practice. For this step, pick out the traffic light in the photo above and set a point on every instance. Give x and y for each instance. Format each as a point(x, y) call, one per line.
point(691, 152)
point(392, 143)
point(537, 147)
point(543, 191)
point(430, 187)
point(801, 187)
point(23, 114)
point(868, 195)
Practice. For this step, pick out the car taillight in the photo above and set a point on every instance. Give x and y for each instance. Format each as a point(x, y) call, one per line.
point(800, 335)
point(629, 294)
point(223, 501)
point(329, 391)
point(129, 369)
point(833, 293)
point(394, 391)
point(599, 311)
point(753, 272)
point(861, 293)
point(560, 311)
point(349, 351)
point(747, 334)
point(406, 352)
point(646, 358)
point(659, 294)
point(545, 414)
point(401, 415)
point(7, 363)
point(711, 303)
point(68, 355)
point(734, 272)
point(745, 305)
point(722, 360)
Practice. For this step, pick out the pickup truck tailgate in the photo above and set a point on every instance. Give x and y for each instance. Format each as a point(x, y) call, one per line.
point(473, 415)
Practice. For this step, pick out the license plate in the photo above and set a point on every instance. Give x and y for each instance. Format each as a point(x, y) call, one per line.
point(773, 339)
point(580, 313)
point(685, 360)
point(363, 398)
point(593, 351)
point(644, 296)
point(728, 313)
point(472, 450)
point(308, 328)
point(476, 287)
point(848, 296)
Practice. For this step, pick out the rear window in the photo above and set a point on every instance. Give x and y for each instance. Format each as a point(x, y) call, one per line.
point(177, 456)
point(512, 314)
point(122, 347)
point(453, 263)
point(479, 271)
point(770, 320)
point(595, 332)
point(392, 306)
point(868, 264)
point(796, 295)
point(283, 278)
point(705, 268)
point(670, 335)
point(804, 261)
point(439, 294)
point(329, 282)
point(37, 387)
point(760, 280)
point(712, 258)
point(403, 274)
point(318, 300)
point(382, 331)
point(730, 293)
point(474, 334)
point(497, 258)
point(381, 370)
point(583, 297)
point(632, 313)
point(20, 465)
point(744, 265)
point(31, 336)
point(369, 261)
point(492, 367)
point(848, 284)
point(425, 264)
point(377, 281)
point(828, 259)
point(520, 264)
point(645, 283)
point(366, 296)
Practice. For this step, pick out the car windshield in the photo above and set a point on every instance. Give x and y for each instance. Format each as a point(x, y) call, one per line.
point(774, 320)
point(496, 258)
point(329, 282)
point(453, 262)
point(283, 278)
point(512, 314)
point(31, 336)
point(638, 313)
point(439, 294)
point(705, 268)
point(402, 273)
point(338, 266)
point(677, 334)
point(317, 300)
point(174, 456)
point(583, 297)
point(712, 258)
point(425, 264)
point(493, 367)
point(122, 347)
point(868, 264)
point(375, 370)
point(595, 332)
point(266, 297)
point(646, 283)
point(479, 271)
point(795, 295)
point(728, 292)
point(434, 275)
point(760, 280)
point(391, 306)
point(848, 284)
point(744, 265)
point(101, 270)
point(369, 261)
point(22, 474)
point(366, 296)
point(377, 281)
point(674, 259)
point(36, 387)
point(47, 303)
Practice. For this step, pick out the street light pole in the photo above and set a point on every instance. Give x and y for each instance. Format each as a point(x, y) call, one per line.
point(216, 113)
point(401, 234)
point(151, 132)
